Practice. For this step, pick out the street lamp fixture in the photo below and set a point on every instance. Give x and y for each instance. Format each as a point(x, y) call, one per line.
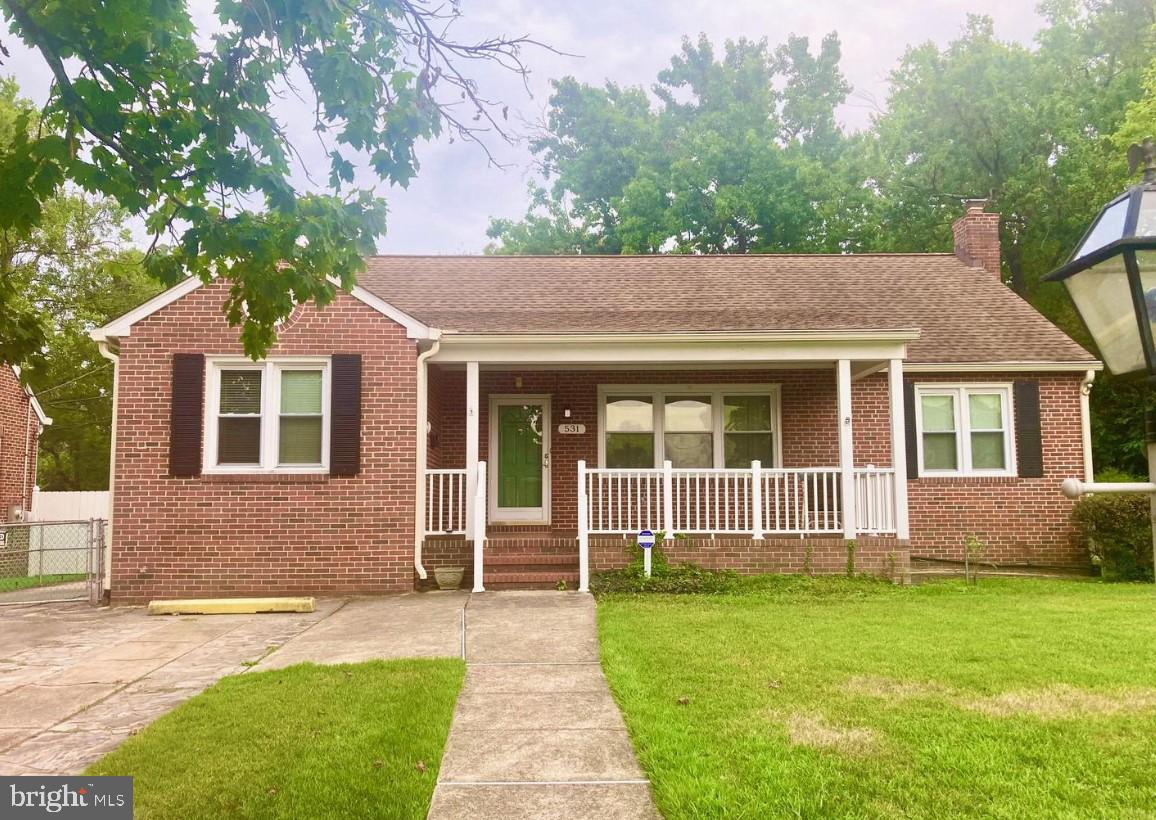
point(1111, 278)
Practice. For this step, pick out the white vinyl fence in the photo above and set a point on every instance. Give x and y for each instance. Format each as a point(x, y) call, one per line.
point(76, 507)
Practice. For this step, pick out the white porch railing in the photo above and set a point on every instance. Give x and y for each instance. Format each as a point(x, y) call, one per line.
point(753, 501)
point(875, 500)
point(445, 502)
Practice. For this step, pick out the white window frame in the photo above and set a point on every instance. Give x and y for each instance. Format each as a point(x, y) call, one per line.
point(658, 394)
point(270, 412)
point(961, 392)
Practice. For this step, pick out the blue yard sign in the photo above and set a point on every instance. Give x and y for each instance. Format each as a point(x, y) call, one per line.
point(646, 541)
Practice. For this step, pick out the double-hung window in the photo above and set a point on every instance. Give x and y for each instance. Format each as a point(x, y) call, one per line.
point(270, 416)
point(692, 426)
point(964, 430)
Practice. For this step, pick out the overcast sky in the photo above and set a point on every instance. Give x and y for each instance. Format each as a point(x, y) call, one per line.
point(446, 209)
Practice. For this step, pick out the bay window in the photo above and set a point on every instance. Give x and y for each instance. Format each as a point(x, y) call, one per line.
point(964, 430)
point(269, 416)
point(692, 426)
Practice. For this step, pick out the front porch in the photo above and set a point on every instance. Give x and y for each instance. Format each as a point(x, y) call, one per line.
point(542, 473)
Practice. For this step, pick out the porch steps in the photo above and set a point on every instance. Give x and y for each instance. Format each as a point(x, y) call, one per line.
point(532, 579)
point(531, 561)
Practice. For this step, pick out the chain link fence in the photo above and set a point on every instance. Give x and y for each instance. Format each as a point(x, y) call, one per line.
point(52, 561)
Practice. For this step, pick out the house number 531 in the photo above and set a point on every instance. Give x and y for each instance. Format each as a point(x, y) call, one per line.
point(571, 429)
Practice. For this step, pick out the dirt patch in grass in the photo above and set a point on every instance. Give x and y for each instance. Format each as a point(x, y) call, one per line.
point(1063, 702)
point(810, 729)
point(892, 689)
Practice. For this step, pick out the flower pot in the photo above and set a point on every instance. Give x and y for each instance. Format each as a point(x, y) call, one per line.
point(449, 577)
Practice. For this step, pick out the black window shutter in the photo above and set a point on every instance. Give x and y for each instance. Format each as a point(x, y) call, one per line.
point(909, 429)
point(186, 416)
point(345, 422)
point(1029, 442)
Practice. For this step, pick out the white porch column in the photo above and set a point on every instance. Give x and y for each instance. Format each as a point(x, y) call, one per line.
point(898, 446)
point(846, 448)
point(473, 419)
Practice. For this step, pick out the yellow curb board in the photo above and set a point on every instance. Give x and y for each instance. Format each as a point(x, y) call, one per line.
point(230, 606)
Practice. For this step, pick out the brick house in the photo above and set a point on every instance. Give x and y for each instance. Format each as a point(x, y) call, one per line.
point(534, 413)
point(21, 421)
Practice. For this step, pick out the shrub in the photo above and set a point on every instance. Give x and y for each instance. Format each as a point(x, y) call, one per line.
point(1118, 529)
point(664, 577)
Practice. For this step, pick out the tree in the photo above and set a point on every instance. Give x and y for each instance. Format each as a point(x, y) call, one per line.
point(74, 270)
point(75, 385)
point(184, 135)
point(740, 153)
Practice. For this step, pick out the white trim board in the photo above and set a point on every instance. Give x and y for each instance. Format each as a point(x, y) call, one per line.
point(122, 327)
point(644, 349)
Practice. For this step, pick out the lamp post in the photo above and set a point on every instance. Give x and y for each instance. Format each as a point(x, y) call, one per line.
point(1111, 278)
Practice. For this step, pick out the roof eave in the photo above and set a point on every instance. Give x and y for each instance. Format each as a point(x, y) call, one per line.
point(44, 419)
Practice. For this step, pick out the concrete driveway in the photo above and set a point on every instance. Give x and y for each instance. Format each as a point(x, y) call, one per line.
point(75, 681)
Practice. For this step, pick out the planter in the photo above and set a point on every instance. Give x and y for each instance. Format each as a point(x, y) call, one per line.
point(449, 577)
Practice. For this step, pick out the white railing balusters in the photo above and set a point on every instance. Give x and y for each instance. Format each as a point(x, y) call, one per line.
point(445, 498)
point(756, 501)
point(875, 498)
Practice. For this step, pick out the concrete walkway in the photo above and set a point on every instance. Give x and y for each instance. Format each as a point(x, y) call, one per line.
point(76, 681)
point(536, 733)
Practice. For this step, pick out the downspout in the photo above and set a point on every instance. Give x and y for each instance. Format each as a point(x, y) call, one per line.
point(106, 352)
point(24, 497)
point(1086, 423)
point(422, 442)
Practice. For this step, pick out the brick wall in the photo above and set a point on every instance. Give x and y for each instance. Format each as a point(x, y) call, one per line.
point(1021, 520)
point(234, 535)
point(821, 556)
point(19, 431)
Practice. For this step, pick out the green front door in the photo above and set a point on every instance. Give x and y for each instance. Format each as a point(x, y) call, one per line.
point(520, 457)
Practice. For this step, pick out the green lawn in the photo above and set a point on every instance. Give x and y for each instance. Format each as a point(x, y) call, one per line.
point(27, 581)
point(361, 740)
point(829, 697)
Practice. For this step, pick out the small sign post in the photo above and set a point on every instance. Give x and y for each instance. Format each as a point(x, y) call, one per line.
point(646, 541)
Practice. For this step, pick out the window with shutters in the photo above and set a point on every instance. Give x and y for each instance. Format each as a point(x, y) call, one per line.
point(964, 430)
point(270, 416)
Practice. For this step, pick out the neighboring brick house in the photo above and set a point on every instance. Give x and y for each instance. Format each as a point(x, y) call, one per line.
point(21, 422)
point(754, 405)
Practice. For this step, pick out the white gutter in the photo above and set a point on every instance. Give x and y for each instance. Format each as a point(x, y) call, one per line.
point(422, 441)
point(1086, 423)
point(105, 351)
point(1000, 367)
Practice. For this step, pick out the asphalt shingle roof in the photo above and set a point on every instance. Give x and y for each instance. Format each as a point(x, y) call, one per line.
point(963, 314)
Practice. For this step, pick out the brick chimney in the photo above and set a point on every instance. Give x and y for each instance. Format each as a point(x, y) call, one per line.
point(976, 236)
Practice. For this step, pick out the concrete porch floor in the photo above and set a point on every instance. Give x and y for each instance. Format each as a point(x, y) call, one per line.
point(535, 734)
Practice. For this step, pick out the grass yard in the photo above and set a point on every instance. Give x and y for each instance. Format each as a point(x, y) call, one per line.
point(28, 581)
point(361, 740)
point(829, 697)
